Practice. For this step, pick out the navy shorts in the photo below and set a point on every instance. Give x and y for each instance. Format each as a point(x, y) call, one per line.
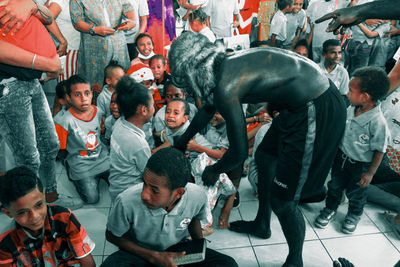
point(305, 141)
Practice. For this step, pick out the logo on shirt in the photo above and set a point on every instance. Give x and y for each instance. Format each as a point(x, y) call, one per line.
point(363, 139)
point(91, 141)
point(183, 225)
point(280, 184)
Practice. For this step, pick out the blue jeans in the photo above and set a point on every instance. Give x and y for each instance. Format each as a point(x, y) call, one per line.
point(27, 126)
point(359, 55)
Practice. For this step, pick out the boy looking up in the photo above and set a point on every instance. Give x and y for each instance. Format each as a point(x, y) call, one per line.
point(129, 148)
point(40, 234)
point(361, 149)
point(171, 207)
point(332, 54)
point(277, 34)
point(79, 134)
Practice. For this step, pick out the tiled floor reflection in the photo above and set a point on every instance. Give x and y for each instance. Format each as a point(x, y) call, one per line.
point(373, 244)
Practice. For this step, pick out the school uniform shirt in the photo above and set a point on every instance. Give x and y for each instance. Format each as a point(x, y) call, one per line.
point(294, 21)
point(365, 134)
point(278, 26)
point(155, 229)
point(103, 102)
point(213, 139)
point(62, 242)
point(339, 76)
point(86, 154)
point(221, 14)
point(109, 123)
point(128, 156)
point(159, 118)
point(317, 9)
point(208, 33)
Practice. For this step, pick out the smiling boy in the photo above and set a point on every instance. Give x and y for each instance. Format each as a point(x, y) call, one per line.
point(162, 211)
point(40, 234)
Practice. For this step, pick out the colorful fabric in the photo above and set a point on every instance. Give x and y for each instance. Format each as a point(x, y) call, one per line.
point(62, 243)
point(95, 51)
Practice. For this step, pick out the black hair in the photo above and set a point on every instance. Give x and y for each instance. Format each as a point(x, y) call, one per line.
point(142, 35)
point(110, 67)
point(131, 94)
point(258, 43)
point(198, 15)
point(16, 183)
point(328, 43)
point(74, 79)
point(373, 81)
point(178, 173)
point(169, 83)
point(61, 89)
point(160, 57)
point(185, 105)
point(284, 3)
point(303, 42)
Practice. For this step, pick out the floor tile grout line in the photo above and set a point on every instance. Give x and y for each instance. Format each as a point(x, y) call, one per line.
point(391, 242)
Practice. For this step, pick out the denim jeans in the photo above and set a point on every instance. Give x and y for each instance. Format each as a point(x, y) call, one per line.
point(359, 55)
point(27, 126)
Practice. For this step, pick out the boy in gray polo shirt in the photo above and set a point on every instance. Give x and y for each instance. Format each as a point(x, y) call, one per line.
point(361, 149)
point(149, 217)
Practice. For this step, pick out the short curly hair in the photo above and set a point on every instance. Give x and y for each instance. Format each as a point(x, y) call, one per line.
point(373, 81)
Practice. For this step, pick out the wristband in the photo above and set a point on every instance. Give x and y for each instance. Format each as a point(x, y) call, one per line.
point(33, 61)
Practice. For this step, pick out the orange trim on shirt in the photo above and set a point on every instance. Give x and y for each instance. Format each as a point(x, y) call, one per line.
point(62, 136)
point(76, 116)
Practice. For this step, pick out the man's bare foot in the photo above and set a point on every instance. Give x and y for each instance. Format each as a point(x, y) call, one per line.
point(251, 228)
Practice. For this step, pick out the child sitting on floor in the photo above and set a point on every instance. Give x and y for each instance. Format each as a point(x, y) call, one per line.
point(79, 135)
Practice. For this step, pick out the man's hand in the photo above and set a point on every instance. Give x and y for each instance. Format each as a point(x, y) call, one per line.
point(14, 13)
point(345, 17)
point(366, 179)
point(342, 262)
point(165, 259)
point(209, 176)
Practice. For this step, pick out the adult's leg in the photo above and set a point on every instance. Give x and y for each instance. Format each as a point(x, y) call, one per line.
point(293, 227)
point(122, 258)
point(359, 55)
point(215, 259)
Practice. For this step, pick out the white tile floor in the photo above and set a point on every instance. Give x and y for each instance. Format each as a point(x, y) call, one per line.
point(373, 244)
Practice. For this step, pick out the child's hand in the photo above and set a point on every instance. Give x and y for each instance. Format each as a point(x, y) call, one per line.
point(366, 178)
point(191, 145)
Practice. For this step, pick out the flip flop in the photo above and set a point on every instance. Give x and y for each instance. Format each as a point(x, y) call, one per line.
point(390, 219)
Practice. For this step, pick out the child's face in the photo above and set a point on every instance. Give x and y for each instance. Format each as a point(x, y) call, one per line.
point(29, 211)
point(297, 5)
point(302, 50)
point(287, 9)
point(356, 97)
point(150, 109)
point(147, 83)
point(116, 75)
point(145, 46)
point(175, 115)
point(158, 68)
point(173, 92)
point(195, 25)
point(81, 97)
point(155, 192)
point(333, 55)
point(217, 120)
point(114, 106)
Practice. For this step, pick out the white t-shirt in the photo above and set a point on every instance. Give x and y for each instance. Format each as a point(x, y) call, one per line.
point(140, 9)
point(278, 26)
point(294, 21)
point(221, 16)
point(63, 21)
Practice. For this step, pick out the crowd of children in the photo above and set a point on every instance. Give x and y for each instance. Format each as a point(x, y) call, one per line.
point(127, 137)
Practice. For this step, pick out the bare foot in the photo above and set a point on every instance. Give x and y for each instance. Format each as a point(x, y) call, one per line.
point(223, 221)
